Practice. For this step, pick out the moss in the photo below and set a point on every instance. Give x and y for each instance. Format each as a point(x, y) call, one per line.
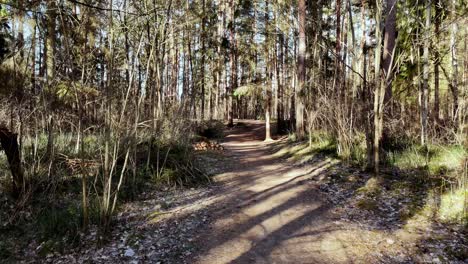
point(372, 188)
point(367, 204)
point(47, 248)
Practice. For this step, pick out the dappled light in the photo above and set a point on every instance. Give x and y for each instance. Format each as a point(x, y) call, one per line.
point(234, 131)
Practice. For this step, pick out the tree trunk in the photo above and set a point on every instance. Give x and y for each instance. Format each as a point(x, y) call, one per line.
point(437, 60)
point(9, 143)
point(454, 61)
point(280, 77)
point(338, 62)
point(425, 87)
point(50, 67)
point(202, 66)
point(269, 81)
point(379, 91)
point(233, 67)
point(365, 92)
point(389, 47)
point(301, 73)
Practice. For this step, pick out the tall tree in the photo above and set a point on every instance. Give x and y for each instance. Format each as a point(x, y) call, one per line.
point(425, 87)
point(454, 61)
point(437, 59)
point(379, 89)
point(232, 58)
point(389, 46)
point(268, 70)
point(50, 71)
point(301, 70)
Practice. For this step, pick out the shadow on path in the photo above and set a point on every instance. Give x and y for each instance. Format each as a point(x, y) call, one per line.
point(272, 212)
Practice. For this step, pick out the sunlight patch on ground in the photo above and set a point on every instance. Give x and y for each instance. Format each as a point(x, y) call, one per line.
point(245, 241)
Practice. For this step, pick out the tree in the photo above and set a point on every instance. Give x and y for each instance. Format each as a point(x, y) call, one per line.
point(437, 60)
point(49, 52)
point(425, 86)
point(389, 46)
point(454, 62)
point(269, 70)
point(379, 90)
point(301, 70)
point(232, 58)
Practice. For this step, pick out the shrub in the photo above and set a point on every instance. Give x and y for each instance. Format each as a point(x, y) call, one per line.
point(60, 222)
point(175, 165)
point(212, 129)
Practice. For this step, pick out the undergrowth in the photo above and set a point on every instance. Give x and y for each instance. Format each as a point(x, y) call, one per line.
point(433, 168)
point(51, 212)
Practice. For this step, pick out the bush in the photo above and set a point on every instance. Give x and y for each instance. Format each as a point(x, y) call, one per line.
point(396, 141)
point(211, 129)
point(60, 222)
point(175, 165)
point(358, 150)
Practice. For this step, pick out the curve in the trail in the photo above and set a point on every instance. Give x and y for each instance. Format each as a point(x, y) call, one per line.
point(269, 215)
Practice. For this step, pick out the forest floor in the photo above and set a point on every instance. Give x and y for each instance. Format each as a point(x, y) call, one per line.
point(262, 208)
point(276, 210)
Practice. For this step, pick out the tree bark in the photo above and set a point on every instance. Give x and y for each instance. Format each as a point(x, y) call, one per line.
point(425, 87)
point(379, 91)
point(280, 80)
point(233, 67)
point(454, 62)
point(50, 67)
point(389, 46)
point(437, 60)
point(203, 55)
point(269, 80)
point(301, 71)
point(10, 145)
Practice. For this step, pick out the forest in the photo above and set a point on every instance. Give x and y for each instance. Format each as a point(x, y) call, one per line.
point(233, 131)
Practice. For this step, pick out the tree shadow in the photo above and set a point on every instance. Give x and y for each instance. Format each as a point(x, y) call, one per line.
point(241, 217)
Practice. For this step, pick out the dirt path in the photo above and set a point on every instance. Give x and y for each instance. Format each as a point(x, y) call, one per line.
point(263, 209)
point(273, 212)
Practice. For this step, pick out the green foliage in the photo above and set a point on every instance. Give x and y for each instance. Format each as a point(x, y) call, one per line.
point(319, 142)
point(372, 188)
point(60, 222)
point(67, 93)
point(435, 159)
point(453, 205)
point(175, 165)
point(248, 90)
point(367, 204)
point(396, 142)
point(358, 150)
